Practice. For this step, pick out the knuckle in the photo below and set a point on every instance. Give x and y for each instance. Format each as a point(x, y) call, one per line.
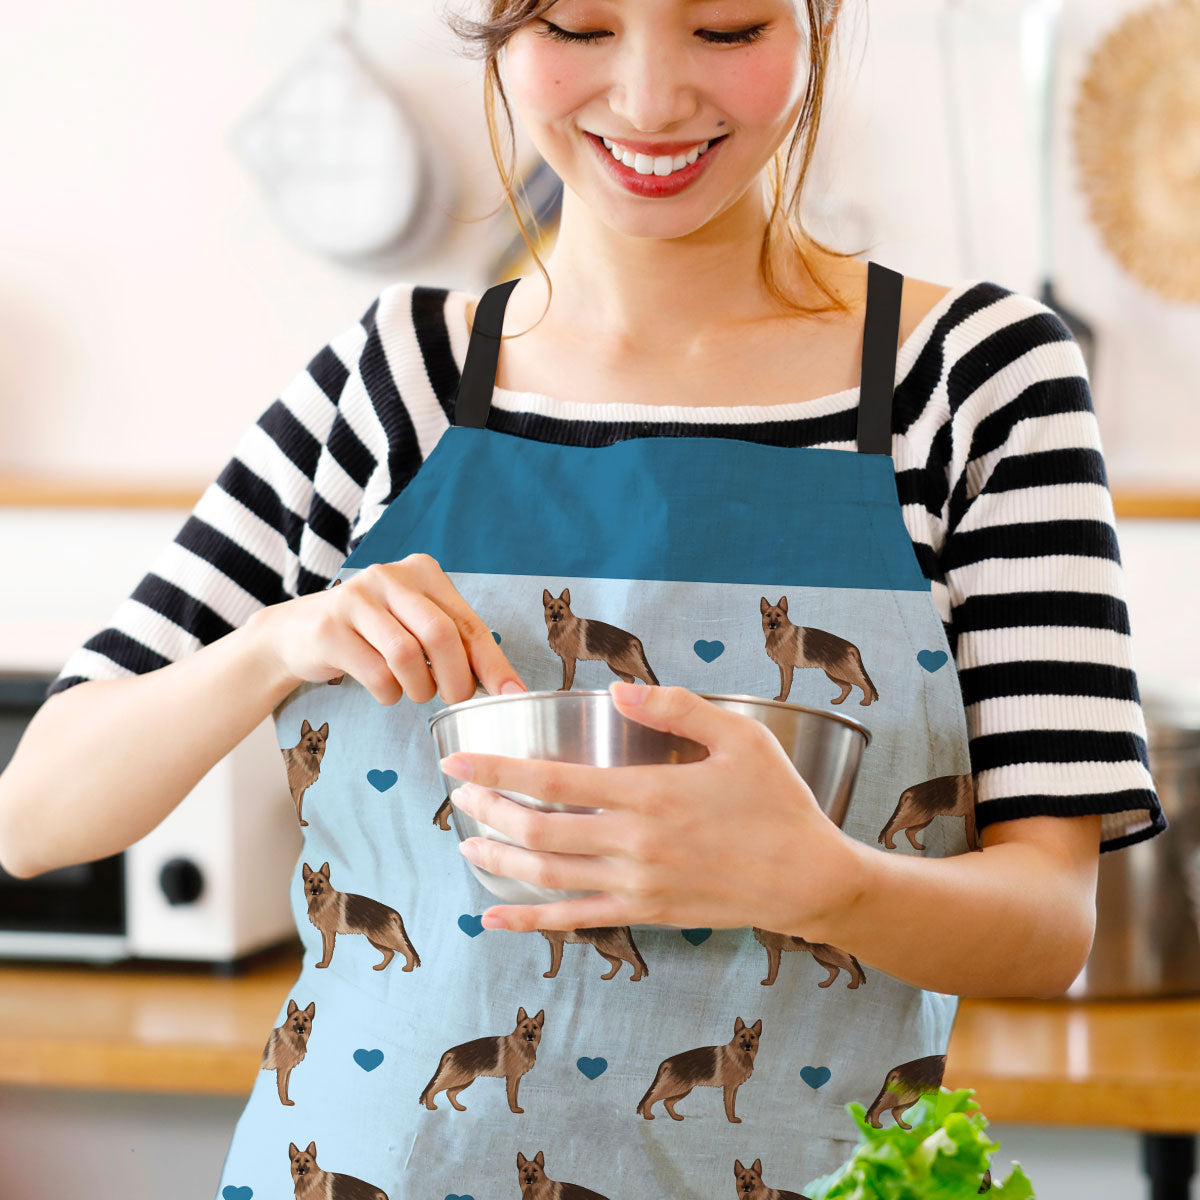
point(419, 560)
point(530, 831)
point(551, 788)
point(401, 649)
point(440, 631)
point(541, 872)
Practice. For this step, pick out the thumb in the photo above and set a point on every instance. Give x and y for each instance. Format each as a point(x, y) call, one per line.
point(673, 709)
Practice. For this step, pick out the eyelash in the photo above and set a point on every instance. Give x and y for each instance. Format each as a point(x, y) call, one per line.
point(740, 37)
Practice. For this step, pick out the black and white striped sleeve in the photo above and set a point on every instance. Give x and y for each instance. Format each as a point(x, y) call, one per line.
point(275, 523)
point(1037, 594)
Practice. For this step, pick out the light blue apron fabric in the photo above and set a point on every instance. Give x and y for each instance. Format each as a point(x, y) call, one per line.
point(679, 541)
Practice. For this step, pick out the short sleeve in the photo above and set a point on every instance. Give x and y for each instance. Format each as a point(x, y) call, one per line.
point(1037, 593)
point(274, 524)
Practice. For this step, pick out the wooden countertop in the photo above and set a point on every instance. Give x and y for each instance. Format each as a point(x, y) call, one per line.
point(183, 1029)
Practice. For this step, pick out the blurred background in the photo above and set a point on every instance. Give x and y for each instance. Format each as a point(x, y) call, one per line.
point(197, 199)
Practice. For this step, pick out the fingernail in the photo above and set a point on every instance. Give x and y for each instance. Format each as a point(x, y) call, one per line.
point(510, 685)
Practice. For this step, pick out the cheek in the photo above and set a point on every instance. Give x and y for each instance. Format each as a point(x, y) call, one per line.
point(545, 80)
point(762, 89)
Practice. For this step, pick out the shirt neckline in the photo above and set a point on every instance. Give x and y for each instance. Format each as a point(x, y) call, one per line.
point(541, 404)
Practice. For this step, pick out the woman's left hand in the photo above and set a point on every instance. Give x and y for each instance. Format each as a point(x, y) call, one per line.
point(736, 839)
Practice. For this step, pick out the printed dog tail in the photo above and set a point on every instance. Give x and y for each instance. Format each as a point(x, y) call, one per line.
point(858, 659)
point(641, 962)
point(398, 925)
point(641, 1108)
point(905, 796)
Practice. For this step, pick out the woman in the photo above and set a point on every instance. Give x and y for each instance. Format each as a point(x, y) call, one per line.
point(693, 493)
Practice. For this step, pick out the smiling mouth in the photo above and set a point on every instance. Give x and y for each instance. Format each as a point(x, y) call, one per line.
point(646, 163)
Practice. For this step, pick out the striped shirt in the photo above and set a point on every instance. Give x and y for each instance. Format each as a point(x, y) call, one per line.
point(999, 473)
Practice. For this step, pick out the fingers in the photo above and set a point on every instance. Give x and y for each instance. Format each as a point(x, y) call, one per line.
point(574, 871)
point(362, 661)
point(579, 784)
point(583, 912)
point(403, 652)
point(488, 662)
point(558, 832)
point(676, 709)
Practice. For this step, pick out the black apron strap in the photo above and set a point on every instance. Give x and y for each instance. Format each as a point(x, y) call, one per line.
point(474, 395)
point(881, 332)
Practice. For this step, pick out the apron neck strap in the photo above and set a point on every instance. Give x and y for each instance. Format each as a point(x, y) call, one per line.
point(881, 332)
point(881, 328)
point(474, 395)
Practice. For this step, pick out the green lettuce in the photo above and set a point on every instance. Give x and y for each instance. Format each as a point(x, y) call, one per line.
point(942, 1157)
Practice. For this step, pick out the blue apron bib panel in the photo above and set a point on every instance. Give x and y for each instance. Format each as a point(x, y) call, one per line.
point(419, 1055)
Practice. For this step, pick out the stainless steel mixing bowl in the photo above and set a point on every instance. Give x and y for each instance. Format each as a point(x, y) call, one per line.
point(585, 727)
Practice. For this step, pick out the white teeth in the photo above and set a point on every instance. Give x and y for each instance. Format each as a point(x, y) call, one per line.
point(646, 164)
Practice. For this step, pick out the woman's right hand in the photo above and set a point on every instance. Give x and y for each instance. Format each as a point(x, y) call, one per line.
point(380, 625)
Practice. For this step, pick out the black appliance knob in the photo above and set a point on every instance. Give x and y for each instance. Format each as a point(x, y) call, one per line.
point(181, 880)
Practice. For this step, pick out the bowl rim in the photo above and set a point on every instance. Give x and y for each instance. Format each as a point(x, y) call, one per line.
point(476, 701)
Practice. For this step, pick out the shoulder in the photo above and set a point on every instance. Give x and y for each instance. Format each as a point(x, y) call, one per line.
point(418, 331)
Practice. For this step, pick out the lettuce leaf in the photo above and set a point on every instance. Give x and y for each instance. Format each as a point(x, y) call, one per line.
point(944, 1156)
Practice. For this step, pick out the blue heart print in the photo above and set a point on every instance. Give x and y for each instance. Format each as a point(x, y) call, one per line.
point(815, 1076)
point(696, 936)
point(381, 780)
point(471, 924)
point(496, 636)
point(708, 650)
point(931, 659)
point(229, 1192)
point(593, 1068)
point(452, 1196)
point(368, 1059)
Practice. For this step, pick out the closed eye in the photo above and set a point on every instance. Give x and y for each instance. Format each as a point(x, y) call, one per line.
point(736, 37)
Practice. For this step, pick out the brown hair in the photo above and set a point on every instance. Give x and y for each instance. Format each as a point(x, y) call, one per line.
point(504, 17)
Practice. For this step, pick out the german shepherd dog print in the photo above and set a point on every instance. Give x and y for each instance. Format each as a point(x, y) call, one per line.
point(573, 638)
point(904, 1085)
point(830, 957)
point(334, 912)
point(612, 942)
point(287, 1045)
point(311, 1183)
point(337, 678)
point(751, 1187)
point(441, 818)
point(790, 646)
point(944, 796)
point(303, 762)
point(535, 1186)
point(726, 1067)
point(506, 1055)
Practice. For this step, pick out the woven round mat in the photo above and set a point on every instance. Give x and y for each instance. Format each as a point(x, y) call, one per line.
point(1137, 145)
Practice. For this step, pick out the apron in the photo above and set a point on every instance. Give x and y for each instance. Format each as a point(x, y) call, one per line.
point(419, 1055)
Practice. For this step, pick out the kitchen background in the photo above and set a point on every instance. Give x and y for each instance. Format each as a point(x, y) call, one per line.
point(162, 276)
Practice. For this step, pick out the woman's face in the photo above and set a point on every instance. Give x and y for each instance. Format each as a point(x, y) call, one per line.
point(660, 78)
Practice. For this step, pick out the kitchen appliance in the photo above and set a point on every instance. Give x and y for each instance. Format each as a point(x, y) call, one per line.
point(210, 883)
point(585, 727)
point(1147, 939)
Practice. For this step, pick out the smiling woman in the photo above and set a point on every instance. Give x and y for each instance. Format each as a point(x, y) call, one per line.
point(724, 458)
point(763, 65)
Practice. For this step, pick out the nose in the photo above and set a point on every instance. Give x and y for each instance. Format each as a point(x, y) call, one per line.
point(653, 81)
